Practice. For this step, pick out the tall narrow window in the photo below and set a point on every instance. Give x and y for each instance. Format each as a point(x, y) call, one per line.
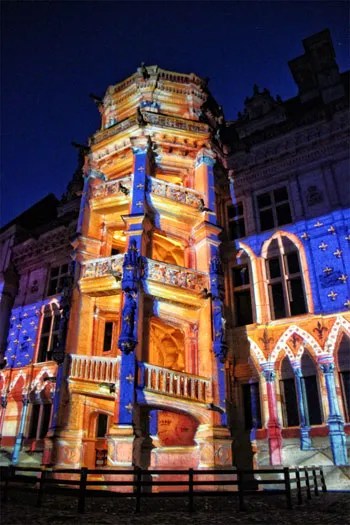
point(251, 406)
point(284, 276)
point(344, 374)
point(40, 420)
point(242, 295)
point(108, 336)
point(311, 390)
point(101, 425)
point(236, 221)
point(274, 208)
point(289, 397)
point(56, 279)
point(49, 333)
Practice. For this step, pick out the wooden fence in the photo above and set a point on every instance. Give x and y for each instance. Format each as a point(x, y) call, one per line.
point(192, 483)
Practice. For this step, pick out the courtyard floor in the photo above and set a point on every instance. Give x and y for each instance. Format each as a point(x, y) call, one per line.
point(20, 509)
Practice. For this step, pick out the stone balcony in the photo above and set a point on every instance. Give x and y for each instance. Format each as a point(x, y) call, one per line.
point(110, 196)
point(174, 282)
point(165, 381)
point(184, 201)
point(102, 276)
point(95, 369)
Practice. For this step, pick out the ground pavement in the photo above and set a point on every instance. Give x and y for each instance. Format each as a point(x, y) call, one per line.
point(327, 509)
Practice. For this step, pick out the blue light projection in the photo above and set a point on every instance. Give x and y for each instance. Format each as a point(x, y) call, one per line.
point(23, 333)
point(326, 241)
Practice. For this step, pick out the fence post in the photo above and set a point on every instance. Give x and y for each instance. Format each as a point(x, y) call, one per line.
point(240, 478)
point(7, 475)
point(138, 489)
point(41, 488)
point(190, 490)
point(297, 476)
point(315, 480)
point(307, 480)
point(323, 481)
point(82, 490)
point(287, 487)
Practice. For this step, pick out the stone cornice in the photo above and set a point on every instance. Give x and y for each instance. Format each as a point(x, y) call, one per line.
point(289, 161)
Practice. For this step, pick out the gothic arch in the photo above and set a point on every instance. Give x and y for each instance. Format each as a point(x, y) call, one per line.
point(275, 354)
point(341, 326)
point(255, 265)
point(314, 349)
point(256, 354)
point(14, 381)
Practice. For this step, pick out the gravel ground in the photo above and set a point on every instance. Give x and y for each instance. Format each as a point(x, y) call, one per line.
point(330, 508)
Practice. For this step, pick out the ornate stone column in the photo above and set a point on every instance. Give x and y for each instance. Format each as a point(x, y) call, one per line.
point(335, 421)
point(121, 436)
point(305, 440)
point(19, 438)
point(274, 434)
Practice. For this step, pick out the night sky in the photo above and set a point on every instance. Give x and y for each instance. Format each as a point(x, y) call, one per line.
point(55, 53)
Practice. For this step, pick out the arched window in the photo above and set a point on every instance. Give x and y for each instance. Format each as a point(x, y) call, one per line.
point(344, 373)
point(309, 380)
point(49, 332)
point(284, 278)
point(289, 397)
point(242, 293)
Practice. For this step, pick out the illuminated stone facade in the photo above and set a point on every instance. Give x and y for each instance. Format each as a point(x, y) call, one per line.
point(36, 279)
point(147, 340)
point(197, 302)
point(287, 267)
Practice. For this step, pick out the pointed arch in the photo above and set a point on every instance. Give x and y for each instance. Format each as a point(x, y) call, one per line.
point(256, 354)
point(315, 348)
point(277, 351)
point(255, 265)
point(340, 326)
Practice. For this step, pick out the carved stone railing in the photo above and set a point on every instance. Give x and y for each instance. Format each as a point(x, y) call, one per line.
point(110, 188)
point(104, 266)
point(97, 369)
point(113, 130)
point(175, 275)
point(177, 384)
point(166, 121)
point(174, 192)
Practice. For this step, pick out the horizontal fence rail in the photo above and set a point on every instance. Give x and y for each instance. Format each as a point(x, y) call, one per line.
point(193, 483)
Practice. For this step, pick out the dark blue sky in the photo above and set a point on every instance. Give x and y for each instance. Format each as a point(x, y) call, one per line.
point(55, 53)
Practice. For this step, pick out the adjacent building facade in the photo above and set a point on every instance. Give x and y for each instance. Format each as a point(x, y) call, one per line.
point(287, 266)
point(187, 305)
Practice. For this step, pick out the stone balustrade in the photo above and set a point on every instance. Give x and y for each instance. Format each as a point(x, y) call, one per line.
point(96, 369)
point(104, 266)
point(176, 275)
point(157, 271)
point(173, 383)
point(111, 187)
point(113, 130)
point(175, 192)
